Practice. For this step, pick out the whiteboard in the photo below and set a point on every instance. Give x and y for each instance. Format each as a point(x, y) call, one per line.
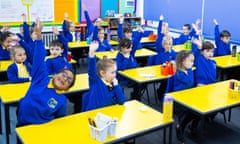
point(11, 10)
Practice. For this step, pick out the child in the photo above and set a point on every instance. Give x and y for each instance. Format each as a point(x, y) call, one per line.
point(162, 31)
point(20, 70)
point(43, 102)
point(182, 79)
point(127, 33)
point(5, 45)
point(104, 87)
point(69, 29)
point(103, 44)
point(222, 41)
point(167, 55)
point(58, 54)
point(205, 72)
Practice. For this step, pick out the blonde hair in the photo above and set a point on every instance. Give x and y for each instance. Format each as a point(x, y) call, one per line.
point(104, 64)
point(167, 38)
point(14, 49)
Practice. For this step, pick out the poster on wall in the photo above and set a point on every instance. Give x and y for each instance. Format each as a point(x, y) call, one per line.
point(93, 8)
point(11, 10)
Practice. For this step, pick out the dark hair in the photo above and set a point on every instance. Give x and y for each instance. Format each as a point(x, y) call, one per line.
point(181, 56)
point(100, 28)
point(188, 26)
point(4, 36)
point(73, 72)
point(225, 33)
point(103, 64)
point(56, 43)
point(127, 30)
point(207, 45)
point(124, 42)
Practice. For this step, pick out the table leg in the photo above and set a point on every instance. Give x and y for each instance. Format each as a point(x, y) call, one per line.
point(13, 123)
point(3, 136)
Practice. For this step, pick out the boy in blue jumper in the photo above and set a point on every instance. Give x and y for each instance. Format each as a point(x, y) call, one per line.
point(206, 72)
point(98, 36)
point(58, 54)
point(167, 55)
point(104, 89)
point(5, 45)
point(222, 41)
point(42, 102)
point(128, 33)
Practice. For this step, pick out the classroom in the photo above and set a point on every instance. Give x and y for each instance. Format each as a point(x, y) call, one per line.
point(119, 72)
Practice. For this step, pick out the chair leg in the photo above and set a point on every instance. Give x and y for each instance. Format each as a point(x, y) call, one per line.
point(224, 116)
point(229, 114)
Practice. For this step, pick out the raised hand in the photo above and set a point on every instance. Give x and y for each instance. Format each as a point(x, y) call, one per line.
point(24, 17)
point(66, 16)
point(161, 17)
point(38, 28)
point(92, 48)
point(215, 21)
point(55, 30)
point(121, 19)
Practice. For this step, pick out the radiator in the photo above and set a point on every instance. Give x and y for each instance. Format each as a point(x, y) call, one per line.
point(48, 37)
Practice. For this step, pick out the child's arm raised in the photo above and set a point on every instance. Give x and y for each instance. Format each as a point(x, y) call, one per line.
point(92, 70)
point(120, 27)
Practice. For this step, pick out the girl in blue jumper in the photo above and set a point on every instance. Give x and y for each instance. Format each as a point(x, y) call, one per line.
point(20, 70)
point(104, 89)
point(127, 33)
point(98, 36)
point(222, 41)
point(167, 55)
point(43, 103)
point(182, 79)
point(68, 28)
point(58, 54)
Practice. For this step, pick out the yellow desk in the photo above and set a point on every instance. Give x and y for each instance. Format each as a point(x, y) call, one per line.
point(10, 94)
point(226, 61)
point(132, 122)
point(206, 99)
point(147, 40)
point(83, 44)
point(112, 54)
point(4, 65)
point(144, 74)
point(178, 48)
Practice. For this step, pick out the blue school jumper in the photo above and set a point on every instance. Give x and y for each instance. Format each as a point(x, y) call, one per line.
point(90, 25)
point(205, 72)
point(102, 45)
point(162, 57)
point(41, 104)
point(180, 81)
point(125, 63)
point(183, 38)
point(221, 47)
point(99, 95)
point(136, 38)
point(160, 36)
point(56, 64)
point(67, 34)
point(4, 54)
point(12, 73)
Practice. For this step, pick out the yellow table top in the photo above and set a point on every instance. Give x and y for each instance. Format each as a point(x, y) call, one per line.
point(74, 128)
point(144, 74)
point(4, 65)
point(112, 54)
point(206, 98)
point(83, 44)
point(14, 92)
point(226, 61)
point(147, 40)
point(178, 48)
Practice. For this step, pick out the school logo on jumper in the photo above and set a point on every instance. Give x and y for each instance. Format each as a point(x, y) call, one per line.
point(52, 103)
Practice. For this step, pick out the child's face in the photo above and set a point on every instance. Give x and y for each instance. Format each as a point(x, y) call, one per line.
point(20, 55)
point(110, 74)
point(128, 35)
point(167, 45)
point(7, 43)
point(225, 39)
point(101, 34)
point(56, 51)
point(186, 31)
point(126, 50)
point(188, 62)
point(63, 80)
point(208, 53)
point(72, 28)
